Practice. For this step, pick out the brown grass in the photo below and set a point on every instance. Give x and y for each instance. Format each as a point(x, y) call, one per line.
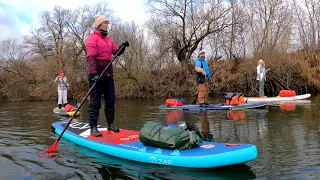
point(297, 71)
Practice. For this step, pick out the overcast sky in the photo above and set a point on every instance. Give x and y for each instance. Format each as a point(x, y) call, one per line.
point(17, 17)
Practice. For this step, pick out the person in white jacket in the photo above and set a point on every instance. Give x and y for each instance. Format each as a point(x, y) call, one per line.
point(63, 87)
point(261, 76)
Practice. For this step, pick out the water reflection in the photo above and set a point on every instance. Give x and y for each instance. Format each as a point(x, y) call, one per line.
point(262, 121)
point(64, 118)
point(174, 117)
point(235, 115)
point(287, 141)
point(205, 126)
point(292, 105)
point(112, 167)
point(243, 115)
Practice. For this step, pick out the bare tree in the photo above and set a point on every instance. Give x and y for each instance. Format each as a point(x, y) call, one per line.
point(13, 60)
point(308, 22)
point(181, 25)
point(235, 38)
point(136, 58)
point(271, 24)
point(55, 25)
point(80, 24)
point(38, 44)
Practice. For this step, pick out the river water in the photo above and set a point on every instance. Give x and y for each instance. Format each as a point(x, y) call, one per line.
point(286, 135)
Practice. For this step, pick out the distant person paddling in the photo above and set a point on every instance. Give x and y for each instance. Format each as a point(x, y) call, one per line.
point(261, 76)
point(202, 78)
point(63, 87)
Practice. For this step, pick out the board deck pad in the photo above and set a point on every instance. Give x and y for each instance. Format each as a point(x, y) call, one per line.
point(123, 136)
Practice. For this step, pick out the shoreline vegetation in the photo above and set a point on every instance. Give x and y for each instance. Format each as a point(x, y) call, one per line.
point(159, 61)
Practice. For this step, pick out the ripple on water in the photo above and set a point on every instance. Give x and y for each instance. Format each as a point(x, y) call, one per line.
point(288, 144)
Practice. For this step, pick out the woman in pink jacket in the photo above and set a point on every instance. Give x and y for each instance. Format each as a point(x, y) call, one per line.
point(100, 49)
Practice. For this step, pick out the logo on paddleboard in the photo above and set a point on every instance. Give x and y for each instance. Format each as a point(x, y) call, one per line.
point(207, 146)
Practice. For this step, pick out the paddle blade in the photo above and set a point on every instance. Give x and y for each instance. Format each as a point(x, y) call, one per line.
point(53, 148)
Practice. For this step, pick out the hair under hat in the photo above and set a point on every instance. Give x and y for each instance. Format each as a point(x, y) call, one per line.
point(99, 19)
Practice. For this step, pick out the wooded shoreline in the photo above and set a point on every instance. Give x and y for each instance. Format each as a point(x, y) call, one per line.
point(159, 60)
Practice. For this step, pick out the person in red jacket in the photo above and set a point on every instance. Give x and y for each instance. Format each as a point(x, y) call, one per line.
point(100, 49)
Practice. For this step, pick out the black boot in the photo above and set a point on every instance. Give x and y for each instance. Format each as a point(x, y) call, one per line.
point(111, 127)
point(94, 131)
point(202, 105)
point(60, 106)
point(64, 105)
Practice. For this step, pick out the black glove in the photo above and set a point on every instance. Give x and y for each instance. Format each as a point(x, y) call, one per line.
point(122, 48)
point(96, 77)
point(125, 44)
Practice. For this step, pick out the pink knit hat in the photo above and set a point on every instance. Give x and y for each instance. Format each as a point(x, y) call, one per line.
point(99, 19)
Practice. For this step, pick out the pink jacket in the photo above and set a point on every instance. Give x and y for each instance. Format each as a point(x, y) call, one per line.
point(99, 53)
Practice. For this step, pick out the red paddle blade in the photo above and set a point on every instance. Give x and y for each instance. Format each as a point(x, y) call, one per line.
point(53, 148)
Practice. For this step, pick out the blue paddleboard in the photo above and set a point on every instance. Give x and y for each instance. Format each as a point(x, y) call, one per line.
point(257, 105)
point(126, 144)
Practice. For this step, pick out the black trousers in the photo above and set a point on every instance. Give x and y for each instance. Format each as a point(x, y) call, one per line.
point(105, 87)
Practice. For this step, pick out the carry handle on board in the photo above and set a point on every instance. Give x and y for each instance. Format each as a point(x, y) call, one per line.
point(54, 146)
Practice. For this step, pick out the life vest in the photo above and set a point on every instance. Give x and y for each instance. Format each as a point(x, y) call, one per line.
point(174, 102)
point(287, 93)
point(200, 78)
point(233, 99)
point(69, 108)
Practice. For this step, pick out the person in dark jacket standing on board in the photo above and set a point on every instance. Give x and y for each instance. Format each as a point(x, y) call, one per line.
point(203, 78)
point(100, 49)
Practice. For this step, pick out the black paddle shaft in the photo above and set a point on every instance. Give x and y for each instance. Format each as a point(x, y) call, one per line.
point(89, 92)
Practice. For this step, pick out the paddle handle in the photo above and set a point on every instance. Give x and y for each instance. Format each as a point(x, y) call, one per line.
point(89, 92)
